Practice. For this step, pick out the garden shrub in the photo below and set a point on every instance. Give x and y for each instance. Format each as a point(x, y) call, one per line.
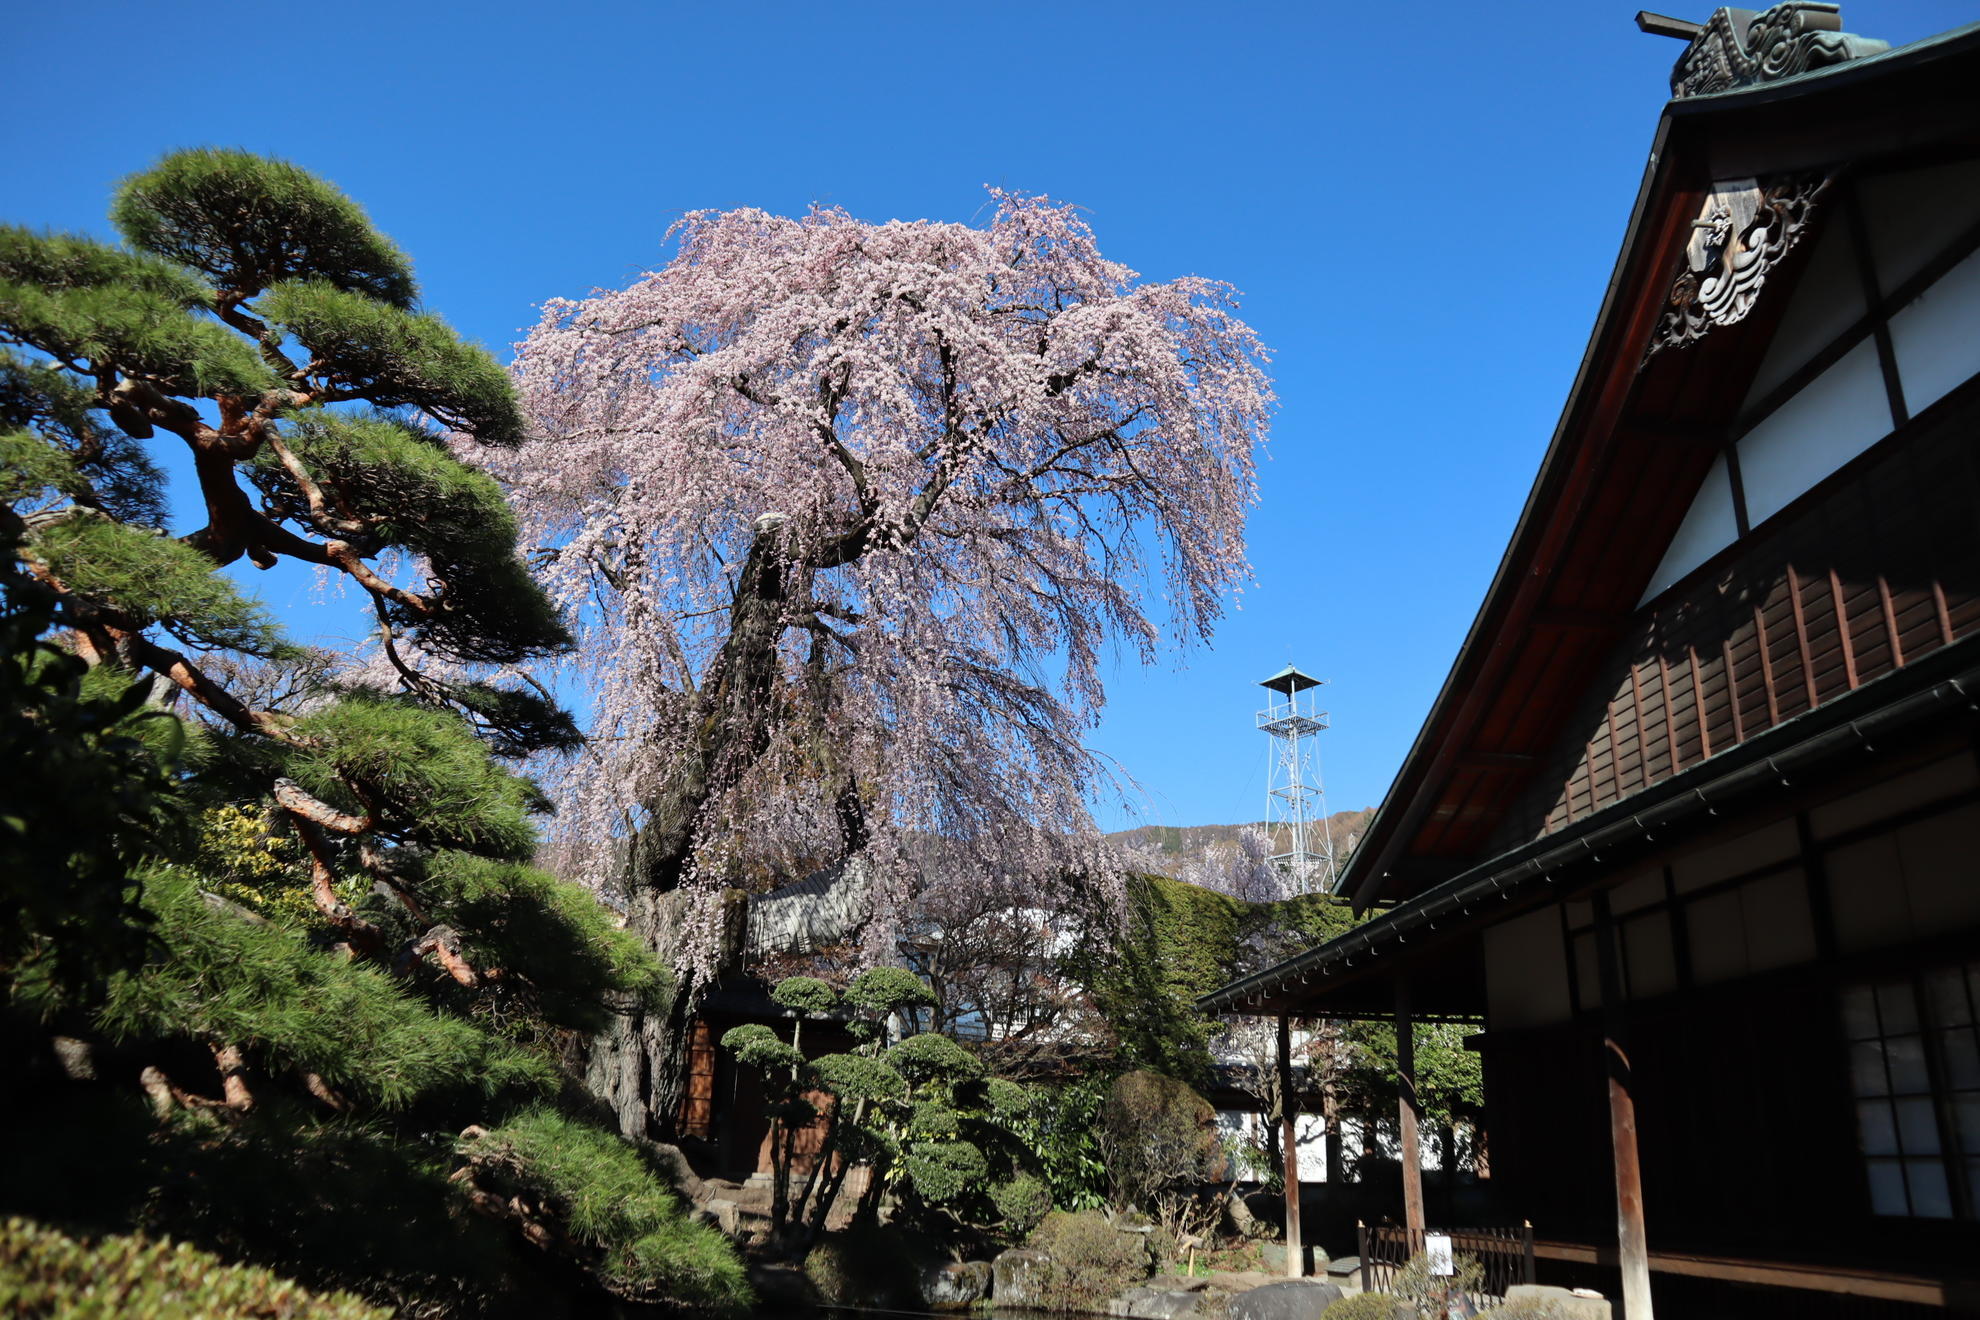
point(1431, 1293)
point(805, 994)
point(932, 1058)
point(1021, 1202)
point(1088, 1258)
point(1062, 1131)
point(879, 991)
point(46, 1273)
point(944, 1171)
point(1526, 1308)
point(868, 1265)
point(1363, 1306)
point(1159, 1141)
point(1155, 1131)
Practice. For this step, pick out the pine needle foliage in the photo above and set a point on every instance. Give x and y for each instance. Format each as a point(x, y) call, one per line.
point(69, 909)
point(426, 500)
point(247, 222)
point(264, 988)
point(152, 334)
point(270, 912)
point(398, 358)
point(155, 579)
point(43, 411)
point(253, 291)
point(30, 467)
point(47, 1273)
point(61, 262)
point(609, 1200)
point(424, 771)
point(550, 934)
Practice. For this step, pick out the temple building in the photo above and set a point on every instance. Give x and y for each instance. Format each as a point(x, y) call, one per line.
point(1693, 827)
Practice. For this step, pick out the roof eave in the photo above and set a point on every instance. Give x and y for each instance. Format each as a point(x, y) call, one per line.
point(1616, 342)
point(1888, 709)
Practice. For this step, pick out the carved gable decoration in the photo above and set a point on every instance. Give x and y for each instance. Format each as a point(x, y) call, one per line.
point(1737, 48)
point(1743, 230)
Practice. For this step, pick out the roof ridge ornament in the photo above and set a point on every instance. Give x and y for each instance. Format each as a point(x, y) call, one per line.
point(1744, 229)
point(1738, 48)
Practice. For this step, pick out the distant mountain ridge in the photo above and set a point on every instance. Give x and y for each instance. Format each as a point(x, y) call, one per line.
point(1178, 846)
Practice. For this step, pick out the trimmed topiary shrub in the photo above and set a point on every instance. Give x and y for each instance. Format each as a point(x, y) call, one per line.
point(1021, 1202)
point(46, 1273)
point(932, 1058)
point(1089, 1259)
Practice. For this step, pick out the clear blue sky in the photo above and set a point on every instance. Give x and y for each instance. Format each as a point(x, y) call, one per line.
point(1421, 202)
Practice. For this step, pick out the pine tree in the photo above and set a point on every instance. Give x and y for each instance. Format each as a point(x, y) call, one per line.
point(275, 907)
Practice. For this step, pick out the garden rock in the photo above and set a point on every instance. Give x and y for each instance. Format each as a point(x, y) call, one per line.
point(782, 1286)
point(1017, 1278)
point(1237, 1281)
point(1568, 1304)
point(955, 1286)
point(1156, 1303)
point(1273, 1254)
point(727, 1215)
point(1295, 1299)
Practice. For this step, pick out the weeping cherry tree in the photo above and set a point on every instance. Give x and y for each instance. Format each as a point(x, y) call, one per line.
point(847, 515)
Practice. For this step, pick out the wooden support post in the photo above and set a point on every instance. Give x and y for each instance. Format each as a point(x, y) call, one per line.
point(1632, 1246)
point(1289, 1149)
point(1409, 1109)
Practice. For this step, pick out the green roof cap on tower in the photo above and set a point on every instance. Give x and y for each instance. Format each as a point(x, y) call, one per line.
point(1289, 681)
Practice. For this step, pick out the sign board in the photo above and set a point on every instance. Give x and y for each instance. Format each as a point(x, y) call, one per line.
point(1437, 1248)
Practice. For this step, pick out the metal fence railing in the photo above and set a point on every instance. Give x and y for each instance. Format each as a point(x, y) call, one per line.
point(1506, 1253)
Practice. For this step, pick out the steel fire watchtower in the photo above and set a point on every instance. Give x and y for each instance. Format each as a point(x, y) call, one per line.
point(1295, 801)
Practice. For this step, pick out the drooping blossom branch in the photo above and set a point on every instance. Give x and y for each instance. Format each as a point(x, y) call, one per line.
point(848, 515)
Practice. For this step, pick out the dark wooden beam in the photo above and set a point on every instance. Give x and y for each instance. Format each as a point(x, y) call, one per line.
point(1289, 1149)
point(1497, 761)
point(1632, 1244)
point(1409, 1110)
point(1661, 25)
point(1580, 621)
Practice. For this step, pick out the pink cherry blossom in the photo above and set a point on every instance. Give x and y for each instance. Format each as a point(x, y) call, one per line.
point(951, 466)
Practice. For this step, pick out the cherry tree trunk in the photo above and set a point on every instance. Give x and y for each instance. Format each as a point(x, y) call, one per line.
point(638, 1065)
